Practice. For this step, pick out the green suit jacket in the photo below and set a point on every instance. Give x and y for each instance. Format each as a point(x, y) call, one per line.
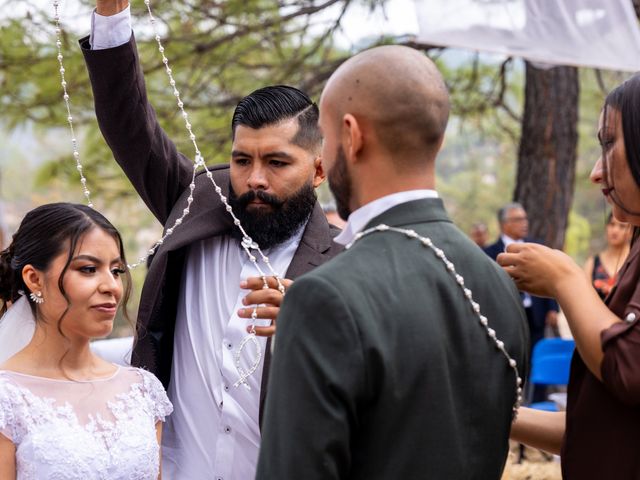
point(381, 370)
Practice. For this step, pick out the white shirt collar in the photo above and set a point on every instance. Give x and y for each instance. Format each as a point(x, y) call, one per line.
point(362, 216)
point(507, 240)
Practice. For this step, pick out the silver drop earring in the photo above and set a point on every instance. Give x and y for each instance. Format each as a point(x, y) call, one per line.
point(36, 298)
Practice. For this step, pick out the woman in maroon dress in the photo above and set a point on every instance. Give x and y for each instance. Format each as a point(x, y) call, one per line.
point(597, 438)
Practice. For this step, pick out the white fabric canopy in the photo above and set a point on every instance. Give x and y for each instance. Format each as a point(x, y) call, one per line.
point(594, 33)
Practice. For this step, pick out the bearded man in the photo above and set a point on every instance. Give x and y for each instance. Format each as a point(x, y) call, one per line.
point(194, 311)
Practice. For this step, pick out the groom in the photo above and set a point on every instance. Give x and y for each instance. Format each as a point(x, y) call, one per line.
point(386, 371)
point(194, 312)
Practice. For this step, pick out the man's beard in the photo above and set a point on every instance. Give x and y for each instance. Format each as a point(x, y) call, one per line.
point(340, 184)
point(270, 227)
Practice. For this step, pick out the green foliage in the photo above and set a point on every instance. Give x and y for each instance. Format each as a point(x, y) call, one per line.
point(578, 237)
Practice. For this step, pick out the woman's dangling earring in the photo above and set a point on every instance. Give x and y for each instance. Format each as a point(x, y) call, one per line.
point(36, 297)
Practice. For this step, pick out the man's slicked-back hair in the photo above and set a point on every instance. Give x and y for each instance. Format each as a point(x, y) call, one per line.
point(271, 105)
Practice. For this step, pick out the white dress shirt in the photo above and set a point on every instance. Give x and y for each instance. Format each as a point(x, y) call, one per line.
point(213, 433)
point(112, 31)
point(362, 216)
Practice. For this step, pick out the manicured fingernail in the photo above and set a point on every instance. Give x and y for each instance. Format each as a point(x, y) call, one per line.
point(243, 284)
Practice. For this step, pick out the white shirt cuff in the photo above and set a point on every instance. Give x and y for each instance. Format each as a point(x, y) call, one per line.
point(111, 31)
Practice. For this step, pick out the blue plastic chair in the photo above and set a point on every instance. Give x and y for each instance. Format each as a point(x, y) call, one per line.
point(550, 365)
point(552, 346)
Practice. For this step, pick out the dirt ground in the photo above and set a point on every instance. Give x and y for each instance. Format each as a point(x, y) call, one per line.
point(534, 467)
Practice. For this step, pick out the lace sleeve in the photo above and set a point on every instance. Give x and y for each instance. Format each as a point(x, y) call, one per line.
point(158, 402)
point(8, 423)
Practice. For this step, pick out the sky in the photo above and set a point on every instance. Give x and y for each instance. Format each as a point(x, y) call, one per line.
point(398, 17)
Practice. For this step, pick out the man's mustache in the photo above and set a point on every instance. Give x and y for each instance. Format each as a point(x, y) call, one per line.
point(251, 195)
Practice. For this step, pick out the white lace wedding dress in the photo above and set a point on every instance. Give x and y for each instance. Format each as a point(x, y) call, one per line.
point(67, 430)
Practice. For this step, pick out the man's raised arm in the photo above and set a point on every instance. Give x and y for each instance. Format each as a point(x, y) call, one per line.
point(127, 121)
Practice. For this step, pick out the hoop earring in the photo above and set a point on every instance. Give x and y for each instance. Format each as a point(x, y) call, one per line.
point(36, 298)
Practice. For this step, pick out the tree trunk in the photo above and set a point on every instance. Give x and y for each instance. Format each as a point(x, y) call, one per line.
point(547, 153)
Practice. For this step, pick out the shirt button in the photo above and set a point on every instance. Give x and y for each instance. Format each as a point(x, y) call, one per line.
point(227, 429)
point(631, 317)
point(226, 388)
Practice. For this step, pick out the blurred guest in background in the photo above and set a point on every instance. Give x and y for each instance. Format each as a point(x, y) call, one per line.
point(602, 268)
point(479, 234)
point(333, 217)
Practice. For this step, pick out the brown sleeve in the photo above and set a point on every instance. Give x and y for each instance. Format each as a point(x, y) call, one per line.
point(620, 367)
point(128, 123)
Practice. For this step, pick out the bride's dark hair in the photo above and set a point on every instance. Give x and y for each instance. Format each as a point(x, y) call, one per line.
point(44, 233)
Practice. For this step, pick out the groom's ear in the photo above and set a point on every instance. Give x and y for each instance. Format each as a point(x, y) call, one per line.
point(32, 278)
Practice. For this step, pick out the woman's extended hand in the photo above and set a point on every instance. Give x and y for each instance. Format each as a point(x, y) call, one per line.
point(537, 269)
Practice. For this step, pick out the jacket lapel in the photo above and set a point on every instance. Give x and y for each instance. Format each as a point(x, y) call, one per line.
point(315, 243)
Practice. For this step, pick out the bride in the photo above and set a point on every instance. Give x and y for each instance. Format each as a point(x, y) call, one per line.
point(65, 412)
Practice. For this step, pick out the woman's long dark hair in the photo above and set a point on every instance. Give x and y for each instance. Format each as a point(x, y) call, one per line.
point(625, 99)
point(44, 233)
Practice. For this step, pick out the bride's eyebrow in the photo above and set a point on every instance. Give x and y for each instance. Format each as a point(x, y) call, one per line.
point(93, 259)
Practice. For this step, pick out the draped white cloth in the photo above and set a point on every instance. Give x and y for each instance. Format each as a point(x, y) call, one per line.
point(594, 33)
point(16, 328)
